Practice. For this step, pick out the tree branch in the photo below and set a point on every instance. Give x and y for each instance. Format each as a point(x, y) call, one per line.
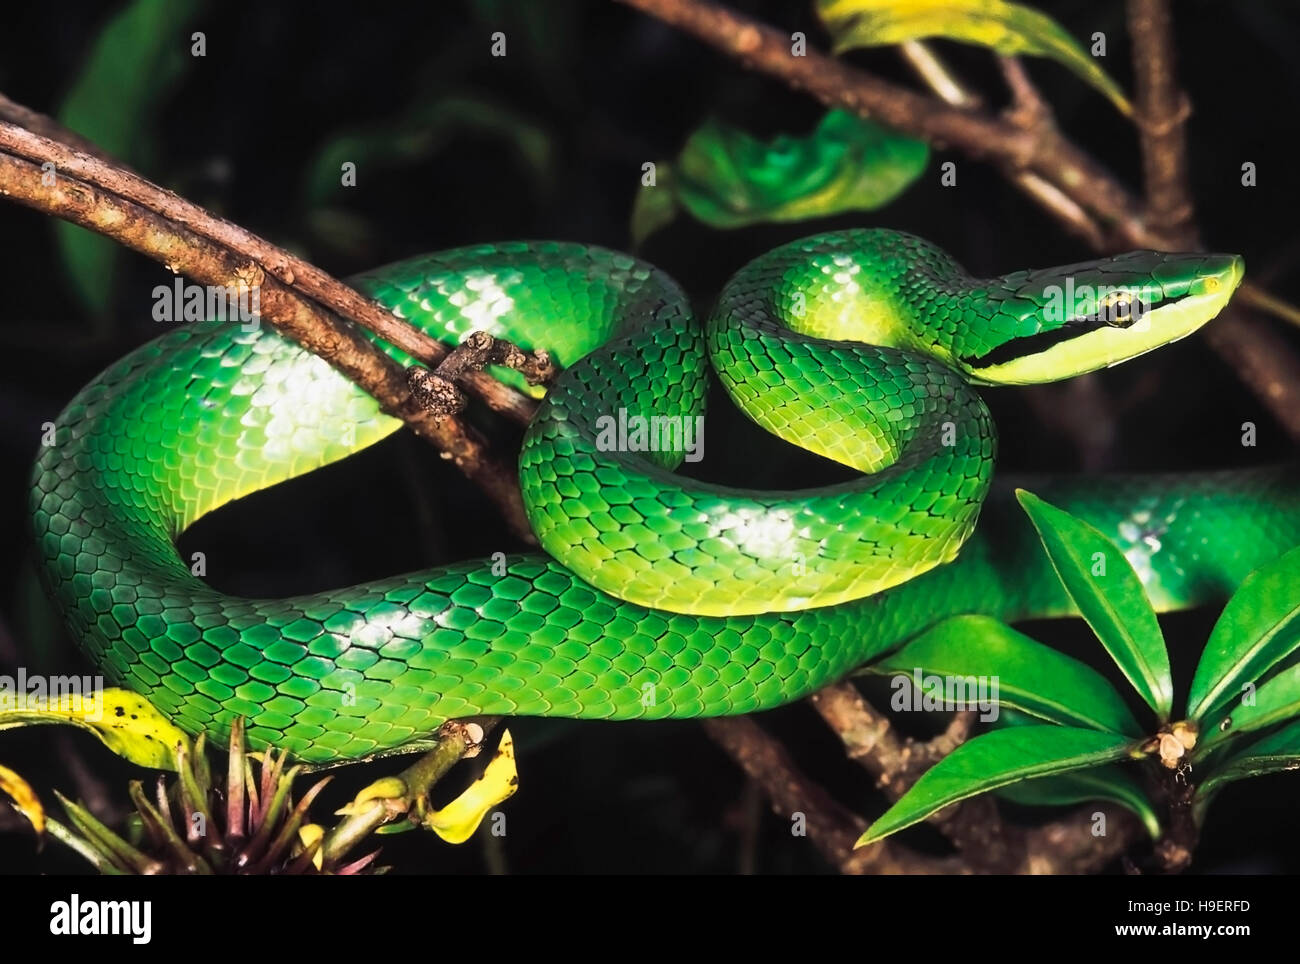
point(292, 271)
point(1161, 113)
point(931, 69)
point(975, 826)
point(47, 126)
point(832, 829)
point(317, 330)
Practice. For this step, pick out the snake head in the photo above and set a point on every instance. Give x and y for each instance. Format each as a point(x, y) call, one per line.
point(1055, 323)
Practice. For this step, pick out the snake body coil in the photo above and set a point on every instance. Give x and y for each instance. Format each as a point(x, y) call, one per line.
point(659, 596)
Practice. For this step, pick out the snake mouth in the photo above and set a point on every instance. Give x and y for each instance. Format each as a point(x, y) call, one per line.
point(1128, 323)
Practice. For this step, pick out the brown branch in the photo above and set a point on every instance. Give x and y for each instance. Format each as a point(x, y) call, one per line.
point(1068, 845)
point(317, 330)
point(931, 69)
point(292, 271)
point(987, 844)
point(438, 391)
point(938, 76)
point(1259, 355)
point(975, 826)
point(1269, 303)
point(1028, 109)
point(47, 126)
point(1161, 113)
point(831, 828)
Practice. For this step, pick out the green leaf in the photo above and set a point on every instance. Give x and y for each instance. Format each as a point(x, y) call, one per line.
point(994, 760)
point(1030, 676)
point(1276, 701)
point(1113, 602)
point(727, 179)
point(138, 56)
point(1108, 782)
point(1008, 28)
point(1276, 752)
point(1258, 628)
point(655, 206)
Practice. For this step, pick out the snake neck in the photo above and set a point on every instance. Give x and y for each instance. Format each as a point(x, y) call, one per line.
point(873, 286)
point(861, 325)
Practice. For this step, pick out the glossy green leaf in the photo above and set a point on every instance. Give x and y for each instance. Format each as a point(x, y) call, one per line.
point(1274, 753)
point(1109, 782)
point(137, 58)
point(994, 760)
point(1112, 601)
point(727, 179)
point(1008, 28)
point(1258, 628)
point(1277, 701)
point(1029, 676)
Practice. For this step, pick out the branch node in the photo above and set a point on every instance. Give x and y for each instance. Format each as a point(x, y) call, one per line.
point(433, 393)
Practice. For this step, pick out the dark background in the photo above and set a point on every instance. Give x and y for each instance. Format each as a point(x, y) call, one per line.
point(551, 145)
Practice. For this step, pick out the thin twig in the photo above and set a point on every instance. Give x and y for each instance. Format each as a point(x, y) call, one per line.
point(1028, 109)
point(897, 764)
point(1269, 303)
point(938, 76)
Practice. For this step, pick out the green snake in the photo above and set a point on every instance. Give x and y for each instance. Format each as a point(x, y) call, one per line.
point(657, 595)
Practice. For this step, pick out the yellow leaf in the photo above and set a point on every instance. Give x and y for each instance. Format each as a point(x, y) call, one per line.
point(126, 722)
point(24, 797)
point(385, 788)
point(308, 834)
point(457, 821)
point(1008, 28)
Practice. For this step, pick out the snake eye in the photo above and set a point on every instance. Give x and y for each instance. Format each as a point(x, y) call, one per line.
point(1120, 310)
